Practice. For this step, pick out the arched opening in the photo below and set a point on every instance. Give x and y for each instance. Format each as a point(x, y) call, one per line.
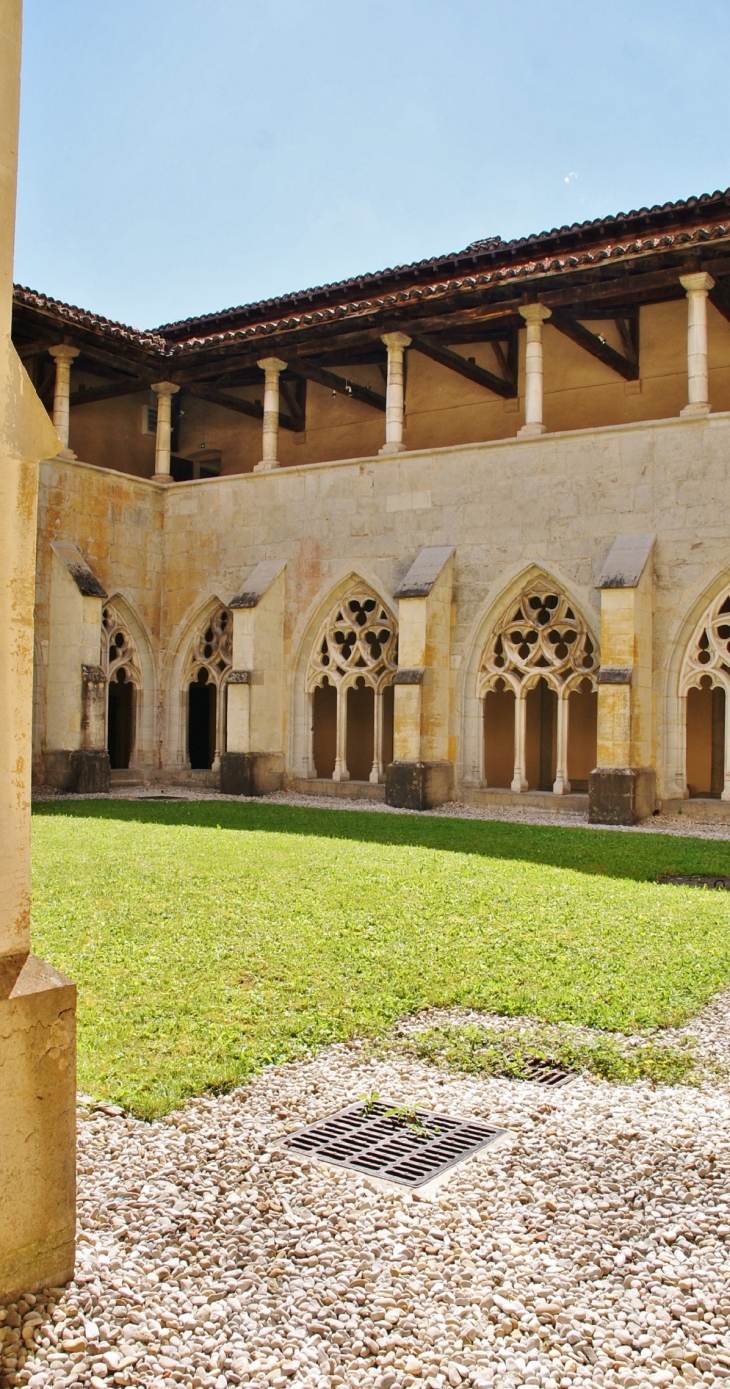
point(705, 739)
point(499, 735)
point(541, 736)
point(324, 730)
point(352, 703)
point(202, 699)
point(120, 720)
point(360, 730)
point(582, 734)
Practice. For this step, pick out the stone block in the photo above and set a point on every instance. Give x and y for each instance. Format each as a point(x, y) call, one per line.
point(56, 769)
point(419, 785)
point(251, 773)
point(621, 795)
point(90, 772)
point(38, 1126)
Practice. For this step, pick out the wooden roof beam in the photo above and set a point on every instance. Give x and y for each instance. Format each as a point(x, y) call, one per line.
point(720, 297)
point(507, 388)
point(333, 382)
point(593, 343)
point(90, 394)
point(253, 408)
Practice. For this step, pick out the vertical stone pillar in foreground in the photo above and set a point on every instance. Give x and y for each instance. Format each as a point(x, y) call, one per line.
point(253, 761)
point(272, 368)
point(534, 316)
point(421, 774)
point(622, 788)
point(164, 390)
point(37, 1005)
point(697, 287)
point(396, 344)
point(63, 356)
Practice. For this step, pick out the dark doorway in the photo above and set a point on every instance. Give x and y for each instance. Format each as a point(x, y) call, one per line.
point(360, 730)
point(201, 722)
point(388, 707)
point(120, 720)
point(706, 740)
point(541, 736)
point(499, 735)
point(325, 730)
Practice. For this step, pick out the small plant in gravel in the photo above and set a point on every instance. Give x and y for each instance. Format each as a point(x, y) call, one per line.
point(512, 1052)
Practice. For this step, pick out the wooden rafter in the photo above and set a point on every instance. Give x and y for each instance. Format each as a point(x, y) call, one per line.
point(301, 367)
point(500, 385)
point(88, 395)
point(253, 408)
point(720, 297)
point(595, 344)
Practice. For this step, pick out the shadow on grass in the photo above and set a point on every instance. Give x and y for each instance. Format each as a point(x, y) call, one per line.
point(609, 853)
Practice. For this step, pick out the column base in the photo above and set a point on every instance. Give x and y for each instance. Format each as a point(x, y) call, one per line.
point(251, 773)
point(419, 785)
point(529, 431)
point(698, 407)
point(621, 795)
point(90, 772)
point(67, 455)
point(266, 465)
point(37, 1126)
point(163, 477)
point(393, 448)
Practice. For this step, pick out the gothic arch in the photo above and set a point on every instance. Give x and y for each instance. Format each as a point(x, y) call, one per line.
point(127, 653)
point(348, 642)
point(698, 692)
point(204, 659)
point(532, 634)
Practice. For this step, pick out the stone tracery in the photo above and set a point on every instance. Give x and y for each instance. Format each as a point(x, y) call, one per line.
point(208, 667)
point(540, 638)
point(119, 653)
point(705, 683)
point(356, 649)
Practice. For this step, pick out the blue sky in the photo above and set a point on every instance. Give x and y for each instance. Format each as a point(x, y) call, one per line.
point(180, 156)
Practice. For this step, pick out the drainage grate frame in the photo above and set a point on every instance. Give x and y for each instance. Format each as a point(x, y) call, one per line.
point(706, 880)
point(372, 1140)
point(548, 1073)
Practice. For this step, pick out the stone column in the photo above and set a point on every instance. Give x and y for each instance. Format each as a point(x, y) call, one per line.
point(252, 763)
point(272, 368)
point(376, 771)
point(534, 316)
point(519, 779)
point(37, 1005)
point(561, 785)
point(341, 773)
point(396, 344)
point(164, 390)
point(697, 287)
point(63, 356)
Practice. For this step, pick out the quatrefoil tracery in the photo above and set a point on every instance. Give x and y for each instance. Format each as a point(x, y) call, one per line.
point(541, 634)
point(358, 639)
point(119, 653)
point(708, 653)
point(211, 654)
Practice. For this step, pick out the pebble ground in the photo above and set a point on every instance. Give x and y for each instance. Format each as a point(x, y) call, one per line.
point(590, 1249)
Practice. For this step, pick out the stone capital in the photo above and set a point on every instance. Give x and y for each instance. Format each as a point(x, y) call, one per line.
point(698, 281)
point(395, 341)
point(271, 364)
point(63, 352)
point(535, 313)
point(164, 388)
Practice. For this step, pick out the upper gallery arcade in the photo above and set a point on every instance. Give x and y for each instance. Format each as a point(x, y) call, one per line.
point(540, 427)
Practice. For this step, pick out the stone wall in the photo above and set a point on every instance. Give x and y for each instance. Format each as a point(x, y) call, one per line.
point(553, 503)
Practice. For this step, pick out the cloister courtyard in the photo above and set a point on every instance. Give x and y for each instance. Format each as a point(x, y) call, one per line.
point(249, 967)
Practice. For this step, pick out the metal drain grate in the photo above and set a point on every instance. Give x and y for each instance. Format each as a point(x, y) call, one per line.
point(548, 1073)
point(695, 880)
point(374, 1140)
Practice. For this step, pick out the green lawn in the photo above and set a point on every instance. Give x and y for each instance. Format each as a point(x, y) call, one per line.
point(209, 938)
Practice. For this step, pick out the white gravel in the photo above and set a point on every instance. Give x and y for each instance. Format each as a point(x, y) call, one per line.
point(592, 1249)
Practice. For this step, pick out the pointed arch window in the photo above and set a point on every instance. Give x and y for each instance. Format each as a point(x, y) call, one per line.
point(124, 683)
point(206, 675)
point(349, 680)
point(705, 685)
point(537, 681)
